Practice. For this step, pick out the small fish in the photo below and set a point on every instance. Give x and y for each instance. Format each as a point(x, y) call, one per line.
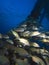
point(26, 33)
point(35, 44)
point(10, 41)
point(24, 41)
point(45, 40)
point(15, 34)
point(35, 28)
point(34, 33)
point(42, 35)
point(24, 25)
point(5, 36)
point(38, 60)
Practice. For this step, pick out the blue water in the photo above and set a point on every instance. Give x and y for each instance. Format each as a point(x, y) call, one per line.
point(13, 12)
point(45, 24)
